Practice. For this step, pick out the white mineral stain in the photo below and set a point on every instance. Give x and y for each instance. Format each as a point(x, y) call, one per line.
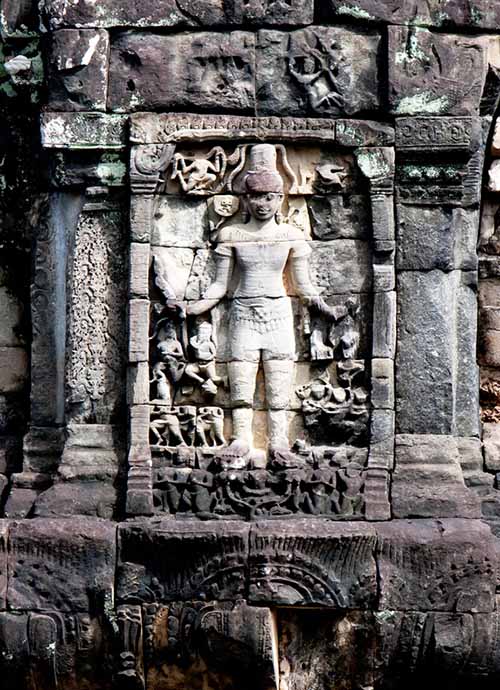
point(356, 12)
point(422, 103)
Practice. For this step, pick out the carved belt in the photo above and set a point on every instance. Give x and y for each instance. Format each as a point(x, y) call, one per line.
point(263, 314)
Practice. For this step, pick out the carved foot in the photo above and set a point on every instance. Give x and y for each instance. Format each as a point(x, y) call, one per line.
point(209, 387)
point(236, 456)
point(283, 458)
point(239, 455)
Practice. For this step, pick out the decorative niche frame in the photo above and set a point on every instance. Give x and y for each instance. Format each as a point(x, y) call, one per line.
point(189, 482)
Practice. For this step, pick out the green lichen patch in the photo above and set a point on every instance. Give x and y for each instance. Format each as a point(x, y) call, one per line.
point(353, 11)
point(423, 102)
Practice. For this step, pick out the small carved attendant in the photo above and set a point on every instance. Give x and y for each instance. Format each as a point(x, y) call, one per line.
point(261, 326)
point(204, 350)
point(170, 351)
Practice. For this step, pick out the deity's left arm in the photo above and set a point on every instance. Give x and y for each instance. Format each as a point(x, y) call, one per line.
point(305, 288)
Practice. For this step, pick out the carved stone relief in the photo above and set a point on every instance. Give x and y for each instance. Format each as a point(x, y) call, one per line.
point(259, 402)
point(96, 333)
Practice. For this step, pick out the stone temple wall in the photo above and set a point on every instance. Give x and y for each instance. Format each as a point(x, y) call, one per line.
point(249, 344)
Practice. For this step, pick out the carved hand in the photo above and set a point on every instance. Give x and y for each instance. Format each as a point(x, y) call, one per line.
point(317, 304)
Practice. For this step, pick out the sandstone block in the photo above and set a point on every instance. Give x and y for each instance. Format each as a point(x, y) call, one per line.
point(289, 568)
point(64, 564)
point(111, 13)
point(425, 72)
point(180, 222)
point(78, 69)
point(335, 217)
point(83, 130)
point(182, 561)
point(384, 325)
point(428, 479)
point(138, 325)
point(201, 70)
point(382, 383)
point(442, 238)
point(13, 369)
point(319, 71)
point(491, 446)
point(139, 258)
point(266, 12)
point(416, 559)
point(460, 13)
point(435, 361)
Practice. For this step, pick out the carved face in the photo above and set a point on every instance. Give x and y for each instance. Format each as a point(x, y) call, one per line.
point(264, 205)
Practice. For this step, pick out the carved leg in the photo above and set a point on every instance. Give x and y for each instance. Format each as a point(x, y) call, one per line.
point(242, 378)
point(242, 426)
point(278, 375)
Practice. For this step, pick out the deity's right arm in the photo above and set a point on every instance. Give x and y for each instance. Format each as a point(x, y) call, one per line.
point(224, 267)
point(218, 289)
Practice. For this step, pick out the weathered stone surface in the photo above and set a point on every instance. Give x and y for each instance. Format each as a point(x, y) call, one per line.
point(334, 217)
point(491, 444)
point(4, 531)
point(138, 330)
point(173, 13)
point(462, 13)
point(139, 260)
point(13, 369)
point(384, 325)
point(62, 565)
point(382, 438)
point(341, 266)
point(199, 70)
point(364, 133)
point(442, 238)
point(321, 71)
point(435, 361)
point(83, 130)
point(428, 479)
point(110, 13)
point(220, 642)
point(38, 651)
point(65, 499)
point(316, 646)
point(11, 311)
point(167, 561)
point(446, 565)
point(382, 396)
point(270, 12)
point(180, 222)
point(289, 568)
point(78, 70)
point(425, 73)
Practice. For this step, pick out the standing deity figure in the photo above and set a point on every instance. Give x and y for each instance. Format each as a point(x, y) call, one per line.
point(253, 256)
